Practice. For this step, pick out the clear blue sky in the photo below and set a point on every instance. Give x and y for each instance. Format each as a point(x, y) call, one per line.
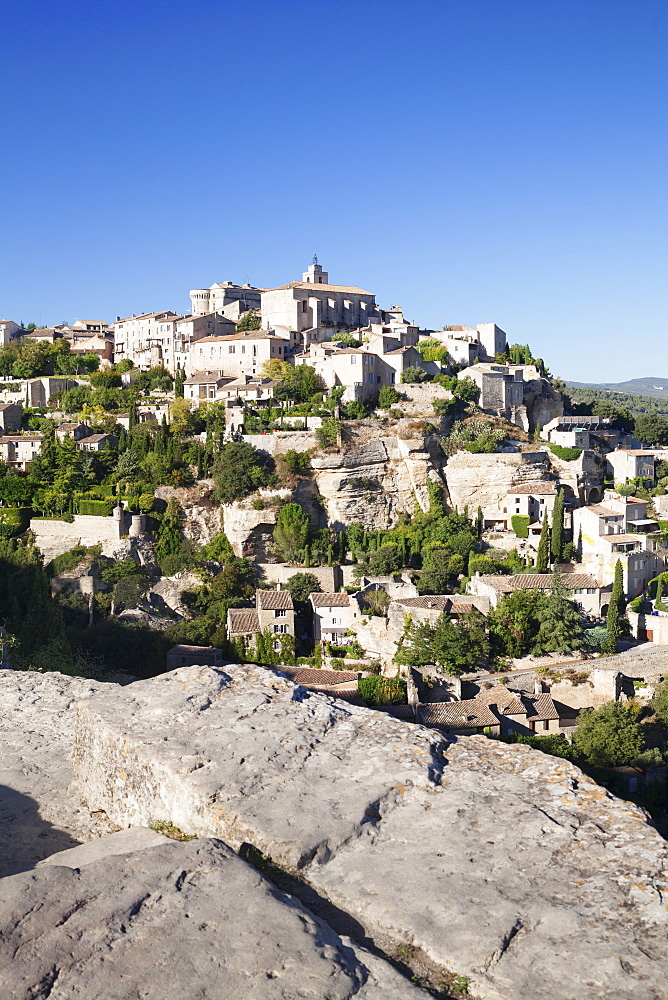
point(472, 160)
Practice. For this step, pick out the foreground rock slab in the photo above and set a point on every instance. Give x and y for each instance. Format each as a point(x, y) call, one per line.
point(40, 813)
point(501, 863)
point(178, 920)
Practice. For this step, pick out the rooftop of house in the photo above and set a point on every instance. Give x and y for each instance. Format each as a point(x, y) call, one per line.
point(185, 648)
point(96, 438)
point(3, 406)
point(437, 602)
point(205, 378)
point(243, 621)
point(330, 600)
point(274, 600)
point(234, 337)
point(603, 511)
point(543, 581)
point(314, 675)
point(468, 714)
point(533, 489)
point(7, 438)
point(310, 285)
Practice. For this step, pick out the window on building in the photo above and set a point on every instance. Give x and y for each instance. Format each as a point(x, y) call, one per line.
point(353, 359)
point(279, 613)
point(304, 305)
point(231, 349)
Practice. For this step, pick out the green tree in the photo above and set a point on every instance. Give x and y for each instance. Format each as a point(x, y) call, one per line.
point(249, 321)
point(414, 374)
point(515, 622)
point(660, 702)
point(543, 554)
point(557, 538)
point(179, 379)
point(385, 560)
point(301, 585)
point(239, 469)
point(456, 647)
point(292, 530)
point(48, 450)
point(388, 397)
point(651, 429)
point(169, 536)
point(560, 625)
point(609, 736)
point(615, 611)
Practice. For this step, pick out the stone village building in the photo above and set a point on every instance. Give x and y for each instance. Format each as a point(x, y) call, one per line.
point(274, 613)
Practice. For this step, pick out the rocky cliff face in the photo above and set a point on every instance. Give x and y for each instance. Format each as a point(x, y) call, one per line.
point(375, 479)
point(492, 861)
point(201, 513)
point(500, 856)
point(486, 479)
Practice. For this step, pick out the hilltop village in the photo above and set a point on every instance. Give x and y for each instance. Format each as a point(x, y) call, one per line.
point(299, 478)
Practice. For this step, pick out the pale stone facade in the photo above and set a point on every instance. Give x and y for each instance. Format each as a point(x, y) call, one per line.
point(313, 302)
point(226, 298)
point(240, 354)
point(18, 450)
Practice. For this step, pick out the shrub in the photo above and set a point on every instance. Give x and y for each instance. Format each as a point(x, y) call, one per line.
point(327, 435)
point(14, 521)
point(101, 508)
point(414, 374)
point(297, 461)
point(377, 690)
point(565, 454)
point(520, 524)
point(387, 397)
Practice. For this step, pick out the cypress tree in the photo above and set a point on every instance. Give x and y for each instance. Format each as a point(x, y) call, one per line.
point(558, 528)
point(543, 554)
point(132, 420)
point(330, 555)
point(615, 609)
point(479, 523)
point(658, 602)
point(179, 379)
point(343, 545)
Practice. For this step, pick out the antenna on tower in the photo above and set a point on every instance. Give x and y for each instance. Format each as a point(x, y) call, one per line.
point(315, 258)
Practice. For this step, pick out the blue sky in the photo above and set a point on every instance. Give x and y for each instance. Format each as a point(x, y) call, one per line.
point(470, 160)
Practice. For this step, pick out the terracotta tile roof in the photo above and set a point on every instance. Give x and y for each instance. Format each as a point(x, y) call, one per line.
point(185, 648)
point(505, 702)
point(242, 621)
point(533, 489)
point(469, 714)
point(330, 600)
point(406, 712)
point(17, 438)
point(429, 602)
point(95, 438)
point(274, 600)
point(602, 511)
point(321, 288)
point(540, 708)
point(313, 675)
point(543, 581)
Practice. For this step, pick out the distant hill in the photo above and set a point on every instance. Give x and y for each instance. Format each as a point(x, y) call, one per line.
point(651, 386)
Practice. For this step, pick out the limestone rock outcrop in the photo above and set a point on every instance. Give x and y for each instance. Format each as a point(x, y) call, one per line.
point(40, 812)
point(375, 479)
point(499, 862)
point(173, 920)
point(201, 512)
point(484, 480)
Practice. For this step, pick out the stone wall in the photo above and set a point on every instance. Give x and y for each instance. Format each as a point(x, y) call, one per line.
point(330, 578)
point(485, 480)
point(55, 537)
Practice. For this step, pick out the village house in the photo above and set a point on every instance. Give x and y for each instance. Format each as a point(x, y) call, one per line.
point(8, 330)
point(583, 588)
point(332, 617)
point(274, 614)
point(44, 390)
point(11, 417)
point(183, 655)
point(631, 463)
point(97, 442)
point(498, 712)
point(618, 528)
point(239, 354)
point(73, 429)
point(468, 344)
point(430, 607)
point(509, 391)
point(18, 450)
